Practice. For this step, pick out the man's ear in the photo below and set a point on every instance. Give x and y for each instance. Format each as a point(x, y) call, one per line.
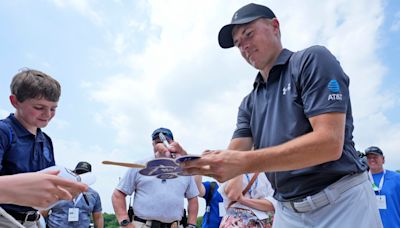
point(13, 100)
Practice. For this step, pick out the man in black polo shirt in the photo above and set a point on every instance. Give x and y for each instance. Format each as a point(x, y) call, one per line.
point(298, 120)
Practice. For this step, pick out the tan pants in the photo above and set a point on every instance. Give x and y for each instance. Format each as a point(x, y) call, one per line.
point(148, 224)
point(5, 223)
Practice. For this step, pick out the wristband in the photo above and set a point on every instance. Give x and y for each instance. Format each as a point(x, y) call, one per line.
point(191, 225)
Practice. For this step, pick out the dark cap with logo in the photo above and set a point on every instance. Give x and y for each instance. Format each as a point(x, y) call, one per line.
point(167, 133)
point(83, 167)
point(244, 15)
point(373, 150)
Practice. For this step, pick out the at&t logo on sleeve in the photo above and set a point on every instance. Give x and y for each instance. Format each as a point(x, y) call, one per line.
point(334, 88)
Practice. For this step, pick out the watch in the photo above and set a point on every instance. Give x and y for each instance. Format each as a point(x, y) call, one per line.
point(124, 222)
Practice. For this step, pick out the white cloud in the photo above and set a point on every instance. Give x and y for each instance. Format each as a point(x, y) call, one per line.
point(184, 56)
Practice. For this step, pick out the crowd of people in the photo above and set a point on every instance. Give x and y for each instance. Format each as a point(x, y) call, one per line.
point(291, 161)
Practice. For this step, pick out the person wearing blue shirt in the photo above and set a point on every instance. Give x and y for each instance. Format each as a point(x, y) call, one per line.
point(76, 213)
point(23, 146)
point(386, 185)
point(214, 203)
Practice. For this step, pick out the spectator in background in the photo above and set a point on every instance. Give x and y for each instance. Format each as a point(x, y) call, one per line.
point(157, 202)
point(386, 184)
point(76, 213)
point(214, 202)
point(248, 201)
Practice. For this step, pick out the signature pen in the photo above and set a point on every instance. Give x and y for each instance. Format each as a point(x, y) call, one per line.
point(166, 143)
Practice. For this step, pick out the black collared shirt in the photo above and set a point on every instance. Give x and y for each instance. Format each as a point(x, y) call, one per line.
point(300, 85)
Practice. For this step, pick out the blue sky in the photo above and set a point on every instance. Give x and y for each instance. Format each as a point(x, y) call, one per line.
point(128, 67)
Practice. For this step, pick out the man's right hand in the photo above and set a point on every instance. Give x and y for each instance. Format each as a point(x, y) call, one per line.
point(163, 151)
point(39, 190)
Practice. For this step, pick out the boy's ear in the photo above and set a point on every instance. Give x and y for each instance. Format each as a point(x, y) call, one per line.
point(14, 100)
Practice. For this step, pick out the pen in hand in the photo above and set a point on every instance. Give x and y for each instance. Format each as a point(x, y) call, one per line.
point(166, 143)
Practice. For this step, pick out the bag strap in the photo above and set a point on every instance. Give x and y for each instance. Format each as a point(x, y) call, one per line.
point(10, 136)
point(210, 194)
point(247, 188)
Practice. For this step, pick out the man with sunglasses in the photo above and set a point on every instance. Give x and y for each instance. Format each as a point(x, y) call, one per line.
point(386, 185)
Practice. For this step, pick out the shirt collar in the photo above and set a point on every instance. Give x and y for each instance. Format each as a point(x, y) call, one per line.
point(21, 131)
point(283, 58)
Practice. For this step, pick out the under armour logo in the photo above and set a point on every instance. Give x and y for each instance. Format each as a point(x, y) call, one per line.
point(235, 16)
point(286, 89)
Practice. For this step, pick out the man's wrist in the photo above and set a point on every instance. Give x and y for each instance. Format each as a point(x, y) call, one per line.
point(189, 225)
point(124, 222)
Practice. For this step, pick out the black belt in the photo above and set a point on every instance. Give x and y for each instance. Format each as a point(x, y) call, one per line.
point(30, 216)
point(154, 223)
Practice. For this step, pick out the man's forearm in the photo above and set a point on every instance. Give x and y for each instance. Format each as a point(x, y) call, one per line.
point(119, 205)
point(98, 220)
point(200, 186)
point(323, 144)
point(193, 207)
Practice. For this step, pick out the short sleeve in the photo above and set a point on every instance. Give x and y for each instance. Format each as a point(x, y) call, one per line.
point(4, 141)
point(323, 84)
point(192, 190)
point(243, 128)
point(127, 184)
point(97, 206)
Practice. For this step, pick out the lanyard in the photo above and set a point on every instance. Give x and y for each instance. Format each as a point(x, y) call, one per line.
point(374, 187)
point(254, 186)
point(77, 199)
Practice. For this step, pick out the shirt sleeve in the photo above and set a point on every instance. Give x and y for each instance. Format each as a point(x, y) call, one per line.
point(221, 191)
point(192, 190)
point(127, 184)
point(264, 189)
point(322, 82)
point(243, 128)
point(97, 206)
point(4, 141)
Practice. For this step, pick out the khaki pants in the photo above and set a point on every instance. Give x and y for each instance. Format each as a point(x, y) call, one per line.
point(356, 207)
point(5, 223)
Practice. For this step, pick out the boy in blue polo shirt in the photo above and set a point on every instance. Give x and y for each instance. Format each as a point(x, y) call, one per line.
point(23, 146)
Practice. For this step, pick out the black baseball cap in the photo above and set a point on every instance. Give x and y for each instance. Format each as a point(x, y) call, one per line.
point(244, 15)
point(373, 150)
point(167, 132)
point(83, 167)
